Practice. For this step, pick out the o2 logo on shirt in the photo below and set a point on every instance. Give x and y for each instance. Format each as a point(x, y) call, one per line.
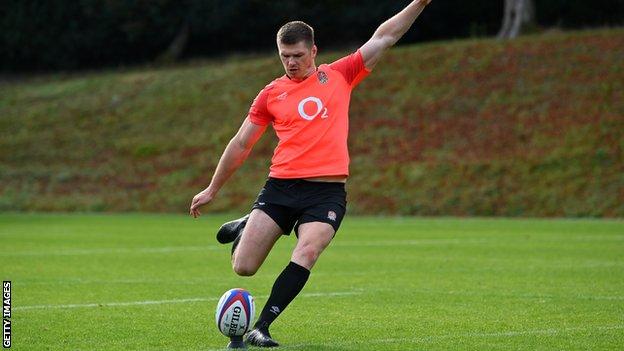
point(319, 108)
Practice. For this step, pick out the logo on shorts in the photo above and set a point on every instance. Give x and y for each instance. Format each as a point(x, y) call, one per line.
point(322, 77)
point(331, 215)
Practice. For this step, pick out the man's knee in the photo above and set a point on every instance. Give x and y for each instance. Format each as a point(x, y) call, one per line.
point(308, 253)
point(244, 271)
point(242, 268)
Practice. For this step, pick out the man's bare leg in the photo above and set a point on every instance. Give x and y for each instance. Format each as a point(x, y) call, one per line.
point(258, 237)
point(314, 237)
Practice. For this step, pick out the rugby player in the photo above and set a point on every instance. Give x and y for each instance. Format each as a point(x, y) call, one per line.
point(305, 191)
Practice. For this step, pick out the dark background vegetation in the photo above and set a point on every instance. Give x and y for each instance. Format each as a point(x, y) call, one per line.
point(45, 35)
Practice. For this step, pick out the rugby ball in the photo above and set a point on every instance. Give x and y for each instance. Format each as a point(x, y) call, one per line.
point(235, 312)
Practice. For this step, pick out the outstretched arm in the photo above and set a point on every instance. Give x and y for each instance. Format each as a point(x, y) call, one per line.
point(235, 153)
point(390, 32)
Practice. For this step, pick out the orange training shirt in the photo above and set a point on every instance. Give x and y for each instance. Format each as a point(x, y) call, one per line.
point(311, 119)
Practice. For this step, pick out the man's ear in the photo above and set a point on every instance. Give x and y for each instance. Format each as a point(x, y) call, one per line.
point(314, 51)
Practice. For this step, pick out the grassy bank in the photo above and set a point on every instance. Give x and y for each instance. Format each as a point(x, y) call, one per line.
point(529, 127)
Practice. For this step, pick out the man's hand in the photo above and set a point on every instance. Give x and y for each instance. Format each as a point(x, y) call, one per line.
point(200, 200)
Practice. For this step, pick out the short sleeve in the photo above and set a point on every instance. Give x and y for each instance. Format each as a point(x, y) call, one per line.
point(352, 68)
point(258, 112)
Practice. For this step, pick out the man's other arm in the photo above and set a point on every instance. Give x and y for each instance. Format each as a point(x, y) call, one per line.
point(390, 32)
point(235, 154)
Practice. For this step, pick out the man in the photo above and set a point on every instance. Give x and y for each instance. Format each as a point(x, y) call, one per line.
point(308, 108)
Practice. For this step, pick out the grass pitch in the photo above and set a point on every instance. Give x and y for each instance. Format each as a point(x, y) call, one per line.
point(151, 282)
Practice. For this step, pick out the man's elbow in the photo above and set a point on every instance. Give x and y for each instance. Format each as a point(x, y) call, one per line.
point(386, 41)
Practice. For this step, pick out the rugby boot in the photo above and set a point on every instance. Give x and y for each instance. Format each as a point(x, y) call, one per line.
point(260, 338)
point(230, 230)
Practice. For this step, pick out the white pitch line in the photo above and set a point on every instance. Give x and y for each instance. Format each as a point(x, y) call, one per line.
point(163, 302)
point(409, 242)
point(108, 251)
point(601, 297)
point(115, 304)
point(510, 333)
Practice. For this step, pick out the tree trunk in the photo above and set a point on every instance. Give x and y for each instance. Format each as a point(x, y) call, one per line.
point(507, 14)
point(518, 19)
point(517, 14)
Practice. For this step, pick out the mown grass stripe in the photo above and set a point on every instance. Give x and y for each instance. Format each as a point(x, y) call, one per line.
point(547, 332)
point(163, 302)
point(174, 249)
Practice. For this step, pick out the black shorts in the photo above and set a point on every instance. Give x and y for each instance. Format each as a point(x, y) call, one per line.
point(292, 202)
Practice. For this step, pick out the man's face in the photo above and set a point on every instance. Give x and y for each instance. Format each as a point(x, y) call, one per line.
point(298, 59)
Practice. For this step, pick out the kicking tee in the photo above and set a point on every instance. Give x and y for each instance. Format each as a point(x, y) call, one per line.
point(311, 119)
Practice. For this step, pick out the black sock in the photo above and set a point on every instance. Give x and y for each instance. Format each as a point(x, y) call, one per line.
point(287, 285)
